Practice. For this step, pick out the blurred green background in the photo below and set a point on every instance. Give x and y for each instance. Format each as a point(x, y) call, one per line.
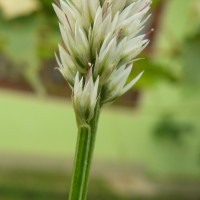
point(148, 142)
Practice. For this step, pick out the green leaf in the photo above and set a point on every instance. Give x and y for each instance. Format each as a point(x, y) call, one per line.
point(20, 38)
point(153, 73)
point(191, 60)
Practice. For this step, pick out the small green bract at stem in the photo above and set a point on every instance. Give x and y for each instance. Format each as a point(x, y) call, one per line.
point(101, 40)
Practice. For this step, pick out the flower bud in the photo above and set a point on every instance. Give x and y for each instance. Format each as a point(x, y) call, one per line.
point(85, 96)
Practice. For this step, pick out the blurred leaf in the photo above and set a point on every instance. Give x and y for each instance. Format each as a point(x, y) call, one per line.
point(169, 128)
point(153, 73)
point(20, 38)
point(178, 20)
point(48, 11)
point(156, 3)
point(191, 60)
point(48, 42)
point(173, 49)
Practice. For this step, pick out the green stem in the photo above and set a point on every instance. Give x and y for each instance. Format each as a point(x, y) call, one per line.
point(83, 158)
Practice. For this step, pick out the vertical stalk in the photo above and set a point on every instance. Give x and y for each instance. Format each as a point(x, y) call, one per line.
point(83, 158)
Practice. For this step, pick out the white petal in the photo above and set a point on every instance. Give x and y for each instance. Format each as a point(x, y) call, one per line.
point(130, 85)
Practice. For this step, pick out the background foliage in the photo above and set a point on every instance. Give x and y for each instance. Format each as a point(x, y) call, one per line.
point(150, 149)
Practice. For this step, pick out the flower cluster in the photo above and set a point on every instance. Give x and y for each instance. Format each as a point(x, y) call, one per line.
point(100, 43)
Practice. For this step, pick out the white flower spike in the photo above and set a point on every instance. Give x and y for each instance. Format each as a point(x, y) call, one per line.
point(104, 33)
point(101, 40)
point(116, 83)
point(85, 97)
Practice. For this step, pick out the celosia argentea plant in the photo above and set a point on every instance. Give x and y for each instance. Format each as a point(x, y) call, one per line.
point(101, 40)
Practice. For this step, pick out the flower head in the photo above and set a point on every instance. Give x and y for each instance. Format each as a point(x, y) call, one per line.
point(105, 33)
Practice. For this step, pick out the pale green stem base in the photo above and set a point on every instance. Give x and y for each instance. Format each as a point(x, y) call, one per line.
point(83, 158)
